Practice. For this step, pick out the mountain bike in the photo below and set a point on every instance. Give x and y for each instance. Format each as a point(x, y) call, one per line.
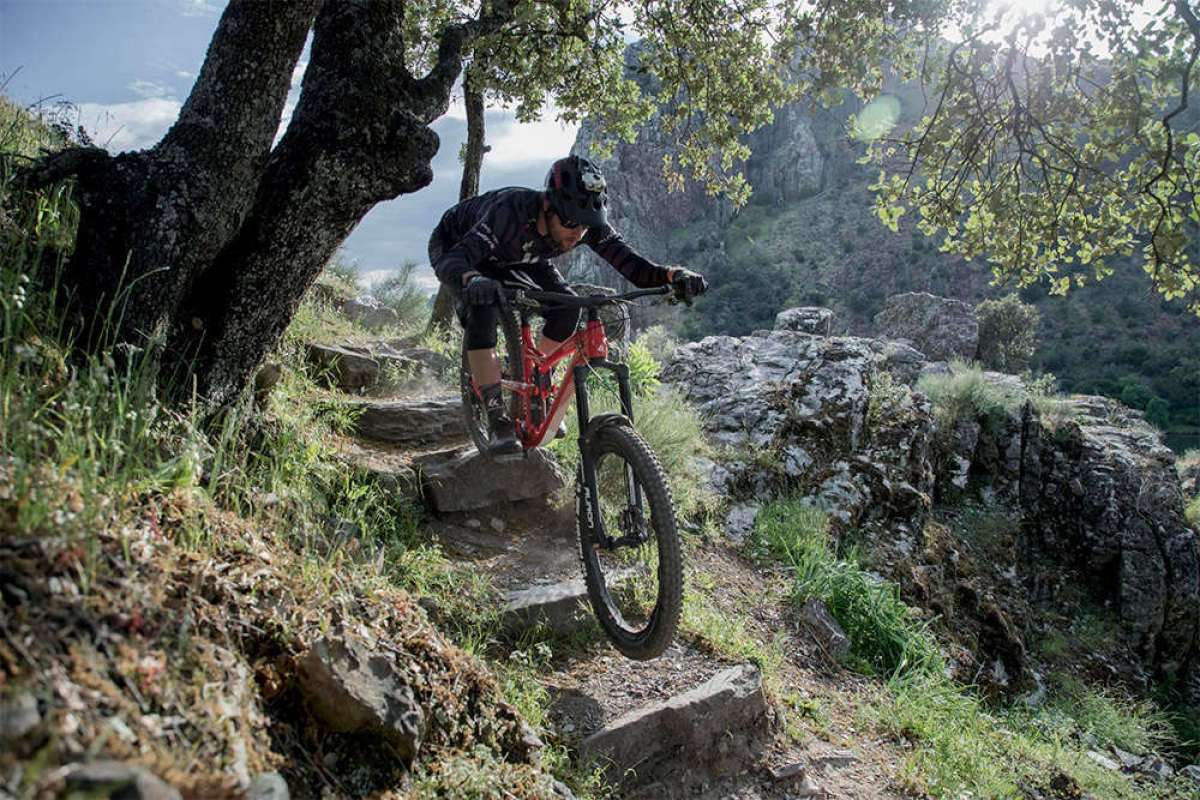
point(625, 516)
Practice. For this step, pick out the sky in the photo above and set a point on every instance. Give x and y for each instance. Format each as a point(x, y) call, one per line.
point(128, 65)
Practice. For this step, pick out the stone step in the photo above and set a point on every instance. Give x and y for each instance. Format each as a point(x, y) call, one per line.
point(563, 607)
point(414, 423)
point(465, 480)
point(718, 727)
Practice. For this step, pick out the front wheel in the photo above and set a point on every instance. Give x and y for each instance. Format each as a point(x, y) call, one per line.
point(631, 559)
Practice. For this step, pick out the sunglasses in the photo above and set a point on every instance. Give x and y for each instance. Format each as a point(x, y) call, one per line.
point(568, 224)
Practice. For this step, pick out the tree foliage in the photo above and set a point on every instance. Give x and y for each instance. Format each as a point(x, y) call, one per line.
point(1057, 141)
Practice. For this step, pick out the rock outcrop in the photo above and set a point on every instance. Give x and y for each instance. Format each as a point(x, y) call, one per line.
point(1097, 490)
point(941, 328)
point(795, 413)
point(1100, 490)
point(811, 319)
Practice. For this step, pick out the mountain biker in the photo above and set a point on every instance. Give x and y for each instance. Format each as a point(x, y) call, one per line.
point(506, 238)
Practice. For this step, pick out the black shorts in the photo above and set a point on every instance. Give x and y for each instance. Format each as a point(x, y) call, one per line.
point(479, 322)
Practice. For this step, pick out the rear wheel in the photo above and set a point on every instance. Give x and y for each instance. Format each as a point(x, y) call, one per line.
point(508, 350)
point(635, 579)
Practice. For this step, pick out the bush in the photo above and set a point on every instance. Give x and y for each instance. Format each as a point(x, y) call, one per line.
point(658, 342)
point(1007, 333)
point(400, 293)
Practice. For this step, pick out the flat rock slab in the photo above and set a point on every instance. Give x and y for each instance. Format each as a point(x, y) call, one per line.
point(115, 779)
point(560, 606)
point(716, 726)
point(563, 607)
point(465, 480)
point(414, 423)
point(348, 368)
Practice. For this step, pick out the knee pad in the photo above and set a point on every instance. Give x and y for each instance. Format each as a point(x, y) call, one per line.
point(479, 326)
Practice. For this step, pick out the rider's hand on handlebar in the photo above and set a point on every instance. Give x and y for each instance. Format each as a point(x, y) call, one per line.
point(481, 291)
point(687, 284)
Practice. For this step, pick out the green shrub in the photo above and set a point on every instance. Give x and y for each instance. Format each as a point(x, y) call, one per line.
point(658, 342)
point(400, 293)
point(1007, 333)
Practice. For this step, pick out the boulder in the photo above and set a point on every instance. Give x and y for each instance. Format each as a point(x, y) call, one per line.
point(370, 313)
point(112, 779)
point(19, 717)
point(1189, 478)
point(465, 480)
point(561, 606)
point(903, 362)
point(350, 369)
point(739, 522)
point(714, 728)
point(807, 319)
point(413, 423)
point(791, 410)
point(941, 328)
point(825, 629)
point(352, 688)
point(268, 786)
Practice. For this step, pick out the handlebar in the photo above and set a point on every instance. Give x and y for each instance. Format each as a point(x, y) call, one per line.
point(529, 299)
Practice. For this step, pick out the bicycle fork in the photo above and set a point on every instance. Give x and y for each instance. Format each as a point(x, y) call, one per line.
point(632, 519)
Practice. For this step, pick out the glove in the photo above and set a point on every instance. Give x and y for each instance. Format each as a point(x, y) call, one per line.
point(481, 291)
point(687, 284)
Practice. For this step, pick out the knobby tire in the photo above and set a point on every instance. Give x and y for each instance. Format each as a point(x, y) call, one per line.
point(640, 642)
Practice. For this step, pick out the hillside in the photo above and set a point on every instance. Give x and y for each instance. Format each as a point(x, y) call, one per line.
point(325, 592)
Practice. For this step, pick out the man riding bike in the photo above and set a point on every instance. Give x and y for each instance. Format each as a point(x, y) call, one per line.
point(505, 239)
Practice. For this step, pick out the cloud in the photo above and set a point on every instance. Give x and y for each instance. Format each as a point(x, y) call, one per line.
point(515, 145)
point(199, 8)
point(183, 73)
point(129, 126)
point(149, 89)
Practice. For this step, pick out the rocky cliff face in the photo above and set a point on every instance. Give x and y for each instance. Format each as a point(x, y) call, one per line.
point(831, 419)
point(786, 165)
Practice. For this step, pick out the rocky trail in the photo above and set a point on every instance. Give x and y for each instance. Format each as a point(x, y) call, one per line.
point(751, 701)
point(694, 722)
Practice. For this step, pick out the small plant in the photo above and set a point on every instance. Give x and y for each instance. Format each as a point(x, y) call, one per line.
point(884, 637)
point(401, 293)
point(341, 272)
point(885, 397)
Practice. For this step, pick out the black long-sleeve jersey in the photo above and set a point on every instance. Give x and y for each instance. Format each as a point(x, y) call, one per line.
point(498, 230)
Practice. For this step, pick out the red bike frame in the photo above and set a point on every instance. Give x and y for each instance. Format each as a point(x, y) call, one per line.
point(584, 345)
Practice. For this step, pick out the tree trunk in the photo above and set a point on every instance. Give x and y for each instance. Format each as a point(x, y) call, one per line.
point(151, 222)
point(475, 149)
point(443, 304)
point(210, 238)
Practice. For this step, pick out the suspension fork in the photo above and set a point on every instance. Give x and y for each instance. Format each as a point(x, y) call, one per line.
point(636, 507)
